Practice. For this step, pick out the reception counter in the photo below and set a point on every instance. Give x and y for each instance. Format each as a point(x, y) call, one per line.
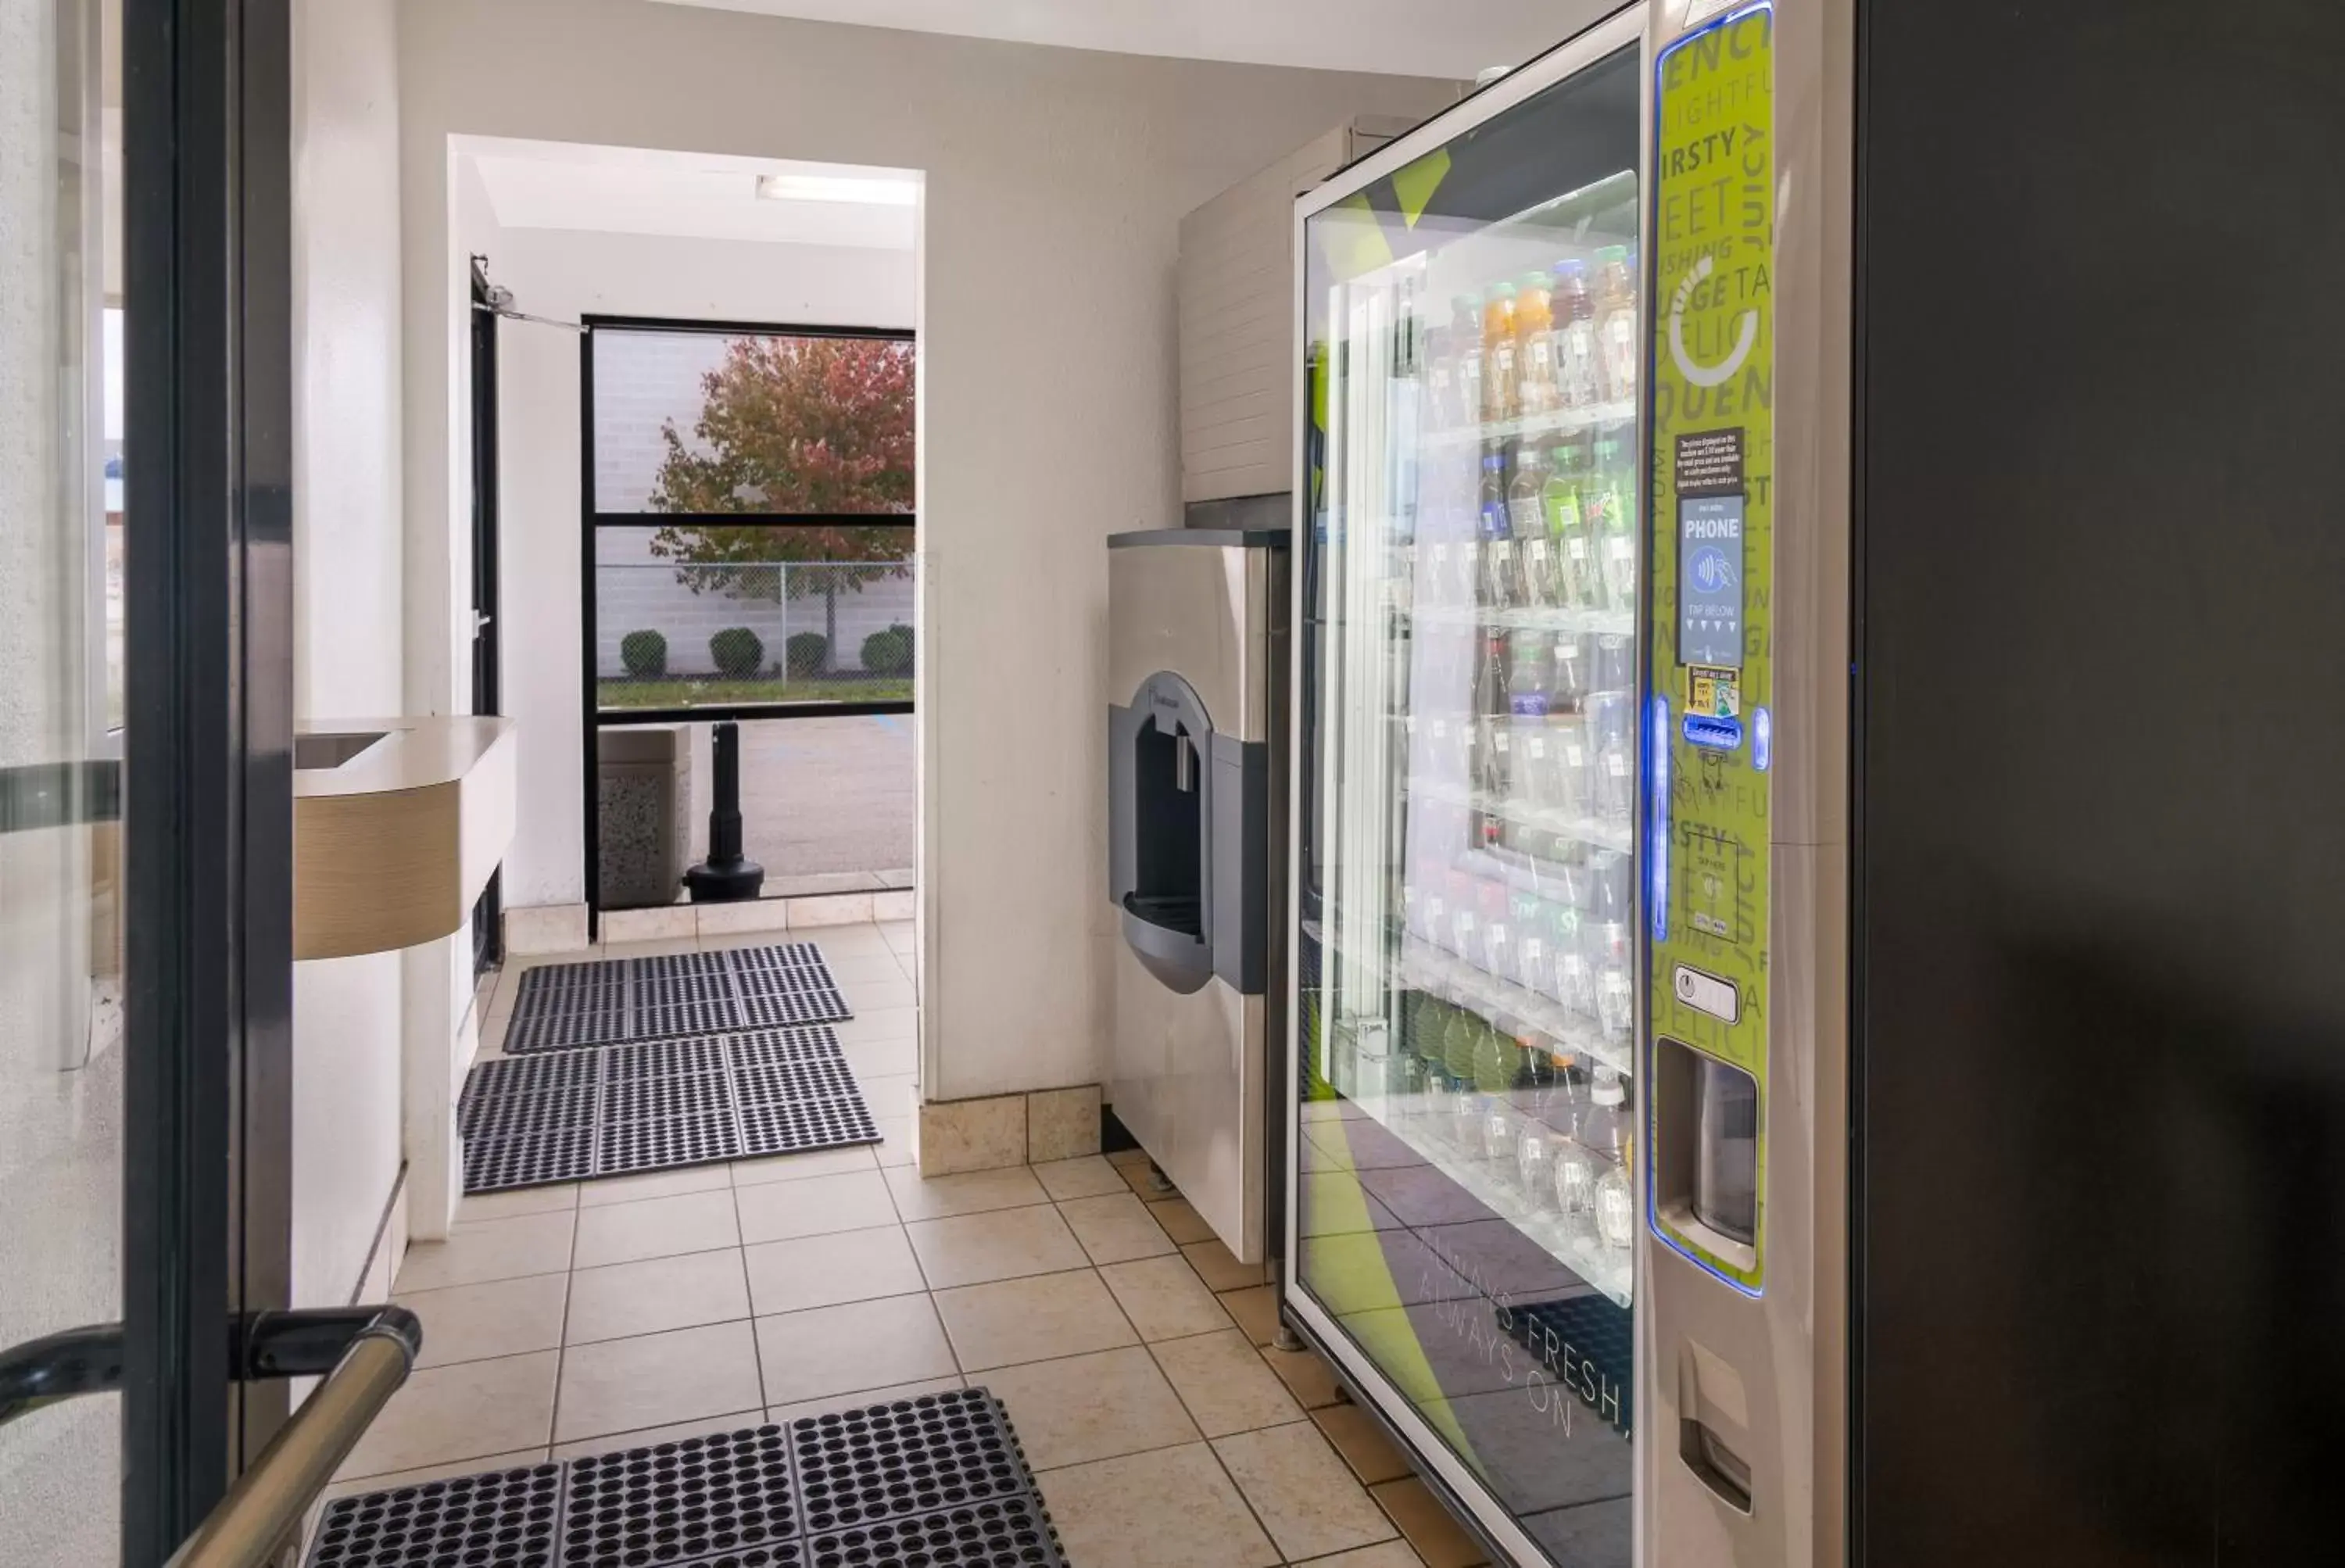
point(397, 825)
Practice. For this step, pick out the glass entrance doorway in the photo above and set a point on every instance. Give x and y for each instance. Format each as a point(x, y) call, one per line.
point(146, 798)
point(61, 558)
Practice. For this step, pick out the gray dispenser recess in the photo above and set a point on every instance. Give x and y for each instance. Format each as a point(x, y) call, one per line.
point(1189, 840)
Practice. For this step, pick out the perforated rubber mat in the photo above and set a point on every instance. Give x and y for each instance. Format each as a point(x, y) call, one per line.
point(615, 1110)
point(938, 1481)
point(563, 1006)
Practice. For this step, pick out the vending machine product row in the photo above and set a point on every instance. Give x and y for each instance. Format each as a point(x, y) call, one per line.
point(1773, 600)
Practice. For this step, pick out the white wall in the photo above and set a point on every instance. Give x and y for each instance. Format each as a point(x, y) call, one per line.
point(1055, 182)
point(563, 275)
point(347, 553)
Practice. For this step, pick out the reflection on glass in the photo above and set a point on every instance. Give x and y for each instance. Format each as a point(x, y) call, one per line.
point(700, 423)
point(60, 842)
point(691, 615)
point(1467, 1205)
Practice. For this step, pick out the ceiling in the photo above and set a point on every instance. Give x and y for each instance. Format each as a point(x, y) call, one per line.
point(690, 196)
point(1452, 38)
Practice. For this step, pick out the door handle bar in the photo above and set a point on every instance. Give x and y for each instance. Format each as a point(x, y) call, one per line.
point(365, 1353)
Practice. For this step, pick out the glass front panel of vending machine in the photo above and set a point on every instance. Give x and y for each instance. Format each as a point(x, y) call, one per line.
point(1462, 1207)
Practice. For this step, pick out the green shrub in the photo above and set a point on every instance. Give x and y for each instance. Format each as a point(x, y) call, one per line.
point(738, 652)
point(808, 653)
point(644, 654)
point(889, 652)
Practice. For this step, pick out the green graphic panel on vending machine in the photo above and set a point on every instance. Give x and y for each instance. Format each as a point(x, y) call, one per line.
point(1713, 241)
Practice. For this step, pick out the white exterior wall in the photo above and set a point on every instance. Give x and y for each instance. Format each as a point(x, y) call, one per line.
point(1056, 180)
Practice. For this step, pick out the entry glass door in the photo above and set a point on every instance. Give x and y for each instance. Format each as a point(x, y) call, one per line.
point(62, 560)
point(145, 760)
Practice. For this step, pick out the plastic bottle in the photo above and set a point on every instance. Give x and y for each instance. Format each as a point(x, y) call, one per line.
point(1526, 527)
point(1501, 381)
point(1573, 544)
point(1611, 520)
point(1578, 1170)
point(1535, 387)
point(1615, 323)
point(1610, 1139)
point(1465, 359)
point(1494, 540)
point(1551, 1130)
point(1579, 364)
point(1530, 675)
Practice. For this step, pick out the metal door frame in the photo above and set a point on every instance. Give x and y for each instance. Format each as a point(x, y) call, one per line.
point(488, 608)
point(208, 671)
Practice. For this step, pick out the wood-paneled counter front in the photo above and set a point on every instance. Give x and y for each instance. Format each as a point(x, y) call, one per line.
point(394, 838)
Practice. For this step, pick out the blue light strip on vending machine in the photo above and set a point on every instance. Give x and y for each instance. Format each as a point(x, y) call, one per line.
point(1657, 814)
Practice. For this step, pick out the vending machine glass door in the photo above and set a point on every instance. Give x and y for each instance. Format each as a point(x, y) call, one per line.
point(1465, 1196)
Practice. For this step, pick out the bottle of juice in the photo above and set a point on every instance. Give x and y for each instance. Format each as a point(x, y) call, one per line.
point(1569, 538)
point(1502, 395)
point(1535, 388)
point(1526, 527)
point(1613, 524)
point(1494, 548)
point(1579, 370)
point(1615, 323)
point(1465, 358)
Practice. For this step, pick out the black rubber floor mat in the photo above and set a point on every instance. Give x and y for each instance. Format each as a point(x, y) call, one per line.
point(938, 1481)
point(563, 1006)
point(617, 1110)
point(510, 1518)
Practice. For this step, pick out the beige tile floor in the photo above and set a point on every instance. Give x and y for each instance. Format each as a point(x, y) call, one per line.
point(1129, 1347)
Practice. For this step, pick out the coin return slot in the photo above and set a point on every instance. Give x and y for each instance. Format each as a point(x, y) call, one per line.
point(1705, 1171)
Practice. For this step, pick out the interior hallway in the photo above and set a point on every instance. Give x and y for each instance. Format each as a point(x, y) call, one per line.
point(1131, 1349)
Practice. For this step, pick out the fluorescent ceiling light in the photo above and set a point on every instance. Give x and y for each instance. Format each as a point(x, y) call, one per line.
point(836, 188)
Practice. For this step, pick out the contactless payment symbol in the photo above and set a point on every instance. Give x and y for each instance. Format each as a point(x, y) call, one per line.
point(1712, 570)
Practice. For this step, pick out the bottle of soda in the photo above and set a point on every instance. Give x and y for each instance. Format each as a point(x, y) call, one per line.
point(1615, 323)
point(1527, 526)
point(1571, 541)
point(1578, 367)
point(1501, 390)
point(1613, 522)
point(1535, 388)
point(1466, 360)
point(1495, 544)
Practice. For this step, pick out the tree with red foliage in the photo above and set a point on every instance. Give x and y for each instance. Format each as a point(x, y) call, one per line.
point(793, 426)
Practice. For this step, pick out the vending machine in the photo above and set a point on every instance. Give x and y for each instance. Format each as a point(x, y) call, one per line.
point(1813, 833)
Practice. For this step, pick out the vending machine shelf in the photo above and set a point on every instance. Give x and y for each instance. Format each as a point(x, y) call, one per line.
point(1411, 1119)
point(1503, 1001)
point(1530, 617)
point(1500, 1002)
point(1589, 830)
point(1549, 421)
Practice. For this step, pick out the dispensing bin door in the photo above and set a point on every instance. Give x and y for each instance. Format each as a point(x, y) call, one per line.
point(1161, 818)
